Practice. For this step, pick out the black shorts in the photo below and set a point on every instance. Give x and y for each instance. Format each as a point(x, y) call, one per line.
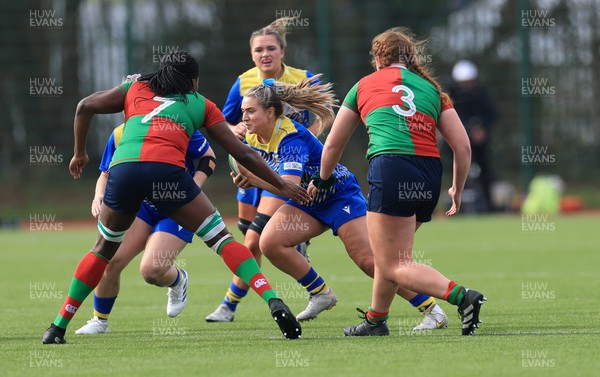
point(404, 185)
point(167, 186)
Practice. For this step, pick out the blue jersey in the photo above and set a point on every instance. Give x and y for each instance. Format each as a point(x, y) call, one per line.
point(196, 148)
point(293, 150)
point(250, 78)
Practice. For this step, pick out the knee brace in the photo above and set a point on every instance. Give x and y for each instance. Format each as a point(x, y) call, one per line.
point(259, 222)
point(243, 225)
point(213, 231)
point(110, 235)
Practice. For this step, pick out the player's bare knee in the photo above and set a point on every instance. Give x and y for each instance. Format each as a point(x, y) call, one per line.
point(116, 265)
point(149, 274)
point(388, 273)
point(268, 246)
point(367, 265)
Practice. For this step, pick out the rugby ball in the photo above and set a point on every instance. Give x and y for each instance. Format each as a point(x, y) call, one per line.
point(233, 165)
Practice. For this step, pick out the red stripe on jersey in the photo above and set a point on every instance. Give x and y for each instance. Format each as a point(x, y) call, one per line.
point(379, 88)
point(139, 100)
point(166, 141)
point(212, 114)
point(375, 91)
point(422, 133)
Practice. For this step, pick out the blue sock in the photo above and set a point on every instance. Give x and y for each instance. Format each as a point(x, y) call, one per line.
point(103, 306)
point(313, 282)
point(423, 302)
point(233, 296)
point(176, 279)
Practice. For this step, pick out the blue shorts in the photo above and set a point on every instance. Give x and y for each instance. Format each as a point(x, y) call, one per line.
point(404, 185)
point(249, 196)
point(346, 204)
point(252, 196)
point(162, 223)
point(168, 187)
point(268, 194)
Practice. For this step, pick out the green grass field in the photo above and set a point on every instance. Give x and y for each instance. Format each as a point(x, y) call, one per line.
point(541, 318)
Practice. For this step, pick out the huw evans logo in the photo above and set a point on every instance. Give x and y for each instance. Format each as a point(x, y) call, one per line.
point(44, 19)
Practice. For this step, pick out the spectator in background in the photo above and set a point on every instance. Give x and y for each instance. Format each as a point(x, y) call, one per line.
point(476, 110)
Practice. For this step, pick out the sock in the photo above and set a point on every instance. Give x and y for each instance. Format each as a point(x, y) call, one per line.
point(455, 293)
point(176, 279)
point(233, 296)
point(423, 302)
point(87, 275)
point(241, 262)
point(374, 317)
point(313, 282)
point(103, 306)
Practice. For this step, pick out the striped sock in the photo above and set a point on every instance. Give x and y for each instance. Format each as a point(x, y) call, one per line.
point(423, 302)
point(241, 262)
point(233, 296)
point(313, 282)
point(375, 318)
point(87, 275)
point(455, 293)
point(103, 306)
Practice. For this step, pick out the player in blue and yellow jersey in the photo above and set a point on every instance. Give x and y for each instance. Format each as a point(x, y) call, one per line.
point(162, 111)
point(295, 154)
point(267, 49)
point(161, 239)
point(402, 106)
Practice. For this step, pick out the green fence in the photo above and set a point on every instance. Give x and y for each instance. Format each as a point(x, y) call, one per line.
point(540, 65)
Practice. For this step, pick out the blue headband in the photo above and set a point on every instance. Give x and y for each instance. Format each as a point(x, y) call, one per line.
point(268, 82)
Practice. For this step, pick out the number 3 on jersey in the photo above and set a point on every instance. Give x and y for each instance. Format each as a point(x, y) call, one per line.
point(407, 99)
point(166, 102)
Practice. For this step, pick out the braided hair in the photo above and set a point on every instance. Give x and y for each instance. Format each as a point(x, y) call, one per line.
point(175, 75)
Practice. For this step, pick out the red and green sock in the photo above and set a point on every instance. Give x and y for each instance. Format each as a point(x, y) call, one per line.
point(455, 294)
point(87, 275)
point(241, 262)
point(375, 318)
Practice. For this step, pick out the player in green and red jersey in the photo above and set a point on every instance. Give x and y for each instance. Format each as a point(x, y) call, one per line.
point(401, 106)
point(296, 154)
point(162, 110)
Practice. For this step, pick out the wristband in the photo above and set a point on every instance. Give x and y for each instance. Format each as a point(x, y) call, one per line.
point(320, 183)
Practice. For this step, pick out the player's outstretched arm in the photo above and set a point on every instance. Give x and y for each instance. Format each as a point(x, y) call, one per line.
point(104, 102)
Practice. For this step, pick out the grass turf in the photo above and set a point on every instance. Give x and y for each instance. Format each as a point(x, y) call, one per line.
point(541, 318)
